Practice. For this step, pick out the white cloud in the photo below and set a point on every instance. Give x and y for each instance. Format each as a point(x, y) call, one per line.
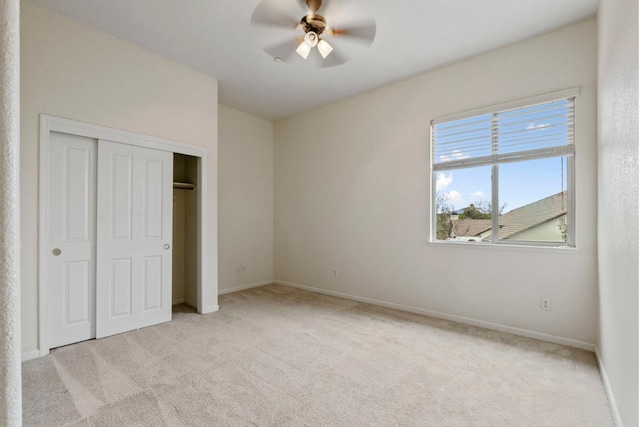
point(478, 194)
point(531, 126)
point(455, 155)
point(443, 181)
point(458, 155)
point(454, 197)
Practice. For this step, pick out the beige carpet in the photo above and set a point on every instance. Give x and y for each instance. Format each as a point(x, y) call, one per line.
point(278, 356)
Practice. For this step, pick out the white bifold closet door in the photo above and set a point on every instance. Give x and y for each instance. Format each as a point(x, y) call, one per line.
point(110, 233)
point(134, 222)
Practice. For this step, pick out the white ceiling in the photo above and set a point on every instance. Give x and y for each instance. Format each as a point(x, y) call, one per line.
point(412, 36)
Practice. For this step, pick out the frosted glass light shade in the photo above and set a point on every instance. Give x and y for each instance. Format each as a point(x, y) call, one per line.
point(303, 50)
point(324, 48)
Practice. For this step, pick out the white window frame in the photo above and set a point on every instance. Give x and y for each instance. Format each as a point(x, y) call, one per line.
point(497, 108)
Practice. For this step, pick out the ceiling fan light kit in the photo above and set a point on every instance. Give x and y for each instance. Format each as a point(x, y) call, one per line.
point(313, 25)
point(311, 40)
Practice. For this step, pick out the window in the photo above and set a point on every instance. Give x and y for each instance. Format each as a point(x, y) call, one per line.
point(504, 174)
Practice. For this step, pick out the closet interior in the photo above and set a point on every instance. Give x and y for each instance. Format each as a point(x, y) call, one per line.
point(185, 228)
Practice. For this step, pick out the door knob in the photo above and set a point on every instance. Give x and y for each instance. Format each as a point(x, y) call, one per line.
point(166, 246)
point(56, 252)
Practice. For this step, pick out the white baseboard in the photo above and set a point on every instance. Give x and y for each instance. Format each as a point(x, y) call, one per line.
point(607, 388)
point(176, 301)
point(244, 287)
point(33, 354)
point(452, 317)
point(569, 342)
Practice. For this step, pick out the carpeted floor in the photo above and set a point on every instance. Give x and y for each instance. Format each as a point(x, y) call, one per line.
point(278, 356)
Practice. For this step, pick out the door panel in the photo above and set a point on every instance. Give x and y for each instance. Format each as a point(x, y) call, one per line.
point(120, 288)
point(134, 237)
point(153, 201)
point(152, 283)
point(78, 180)
point(72, 208)
point(120, 206)
point(77, 292)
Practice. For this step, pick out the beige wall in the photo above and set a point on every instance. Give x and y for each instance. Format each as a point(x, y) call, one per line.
point(73, 71)
point(352, 194)
point(618, 203)
point(245, 214)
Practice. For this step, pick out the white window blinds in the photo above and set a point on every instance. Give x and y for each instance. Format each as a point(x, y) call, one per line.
point(535, 131)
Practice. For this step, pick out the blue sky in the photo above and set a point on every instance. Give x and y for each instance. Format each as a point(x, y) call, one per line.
point(520, 183)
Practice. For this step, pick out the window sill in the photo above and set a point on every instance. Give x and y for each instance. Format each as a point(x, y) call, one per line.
point(505, 247)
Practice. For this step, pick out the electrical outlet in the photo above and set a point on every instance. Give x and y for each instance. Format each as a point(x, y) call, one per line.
point(335, 273)
point(240, 269)
point(545, 304)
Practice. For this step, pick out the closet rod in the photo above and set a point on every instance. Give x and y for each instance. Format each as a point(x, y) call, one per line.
point(184, 186)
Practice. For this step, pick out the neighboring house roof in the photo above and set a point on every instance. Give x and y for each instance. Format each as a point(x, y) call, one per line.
point(517, 220)
point(469, 227)
point(528, 216)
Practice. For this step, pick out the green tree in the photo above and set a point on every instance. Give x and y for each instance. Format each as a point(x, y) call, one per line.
point(480, 209)
point(444, 209)
point(474, 213)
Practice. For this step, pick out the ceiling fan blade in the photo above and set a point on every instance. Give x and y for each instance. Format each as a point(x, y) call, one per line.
point(332, 60)
point(266, 14)
point(314, 5)
point(285, 50)
point(363, 33)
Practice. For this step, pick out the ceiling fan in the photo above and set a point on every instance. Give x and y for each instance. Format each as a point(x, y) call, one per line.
point(335, 32)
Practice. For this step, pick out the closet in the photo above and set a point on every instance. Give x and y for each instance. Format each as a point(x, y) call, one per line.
point(109, 258)
point(185, 230)
point(109, 228)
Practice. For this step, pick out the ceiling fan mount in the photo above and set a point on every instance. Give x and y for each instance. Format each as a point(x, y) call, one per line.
point(313, 23)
